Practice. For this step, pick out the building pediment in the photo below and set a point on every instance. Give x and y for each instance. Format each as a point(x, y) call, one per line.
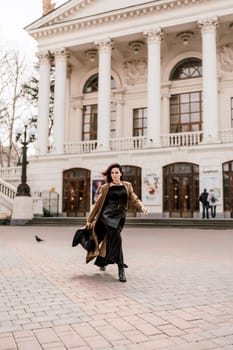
point(81, 9)
point(81, 14)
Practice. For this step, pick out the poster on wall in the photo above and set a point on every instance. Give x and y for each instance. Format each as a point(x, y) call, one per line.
point(96, 184)
point(150, 187)
point(210, 181)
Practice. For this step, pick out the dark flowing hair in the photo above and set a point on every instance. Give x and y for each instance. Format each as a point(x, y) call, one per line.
point(107, 172)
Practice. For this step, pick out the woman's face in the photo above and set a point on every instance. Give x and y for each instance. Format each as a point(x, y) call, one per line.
point(116, 174)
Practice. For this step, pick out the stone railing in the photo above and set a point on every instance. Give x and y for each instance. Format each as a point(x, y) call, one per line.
point(10, 172)
point(182, 139)
point(7, 189)
point(7, 195)
point(135, 143)
point(128, 143)
point(80, 147)
point(226, 135)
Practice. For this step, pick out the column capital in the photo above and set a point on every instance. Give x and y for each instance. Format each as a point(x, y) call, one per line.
point(104, 44)
point(209, 24)
point(61, 54)
point(44, 57)
point(153, 35)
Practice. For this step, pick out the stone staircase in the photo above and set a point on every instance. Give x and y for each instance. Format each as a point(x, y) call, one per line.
point(139, 221)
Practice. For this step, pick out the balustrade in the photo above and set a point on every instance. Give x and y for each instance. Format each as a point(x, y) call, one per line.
point(7, 189)
point(226, 135)
point(182, 139)
point(10, 172)
point(80, 147)
point(131, 143)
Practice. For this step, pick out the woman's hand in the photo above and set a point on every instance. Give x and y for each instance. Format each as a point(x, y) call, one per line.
point(144, 210)
point(89, 225)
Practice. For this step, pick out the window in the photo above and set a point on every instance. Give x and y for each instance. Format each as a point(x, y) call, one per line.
point(92, 84)
point(232, 112)
point(89, 125)
point(187, 69)
point(113, 121)
point(186, 112)
point(140, 122)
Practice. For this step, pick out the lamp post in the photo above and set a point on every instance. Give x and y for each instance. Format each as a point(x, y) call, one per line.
point(25, 138)
point(23, 202)
point(23, 189)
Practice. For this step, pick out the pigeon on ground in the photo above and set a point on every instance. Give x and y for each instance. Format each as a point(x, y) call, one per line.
point(38, 239)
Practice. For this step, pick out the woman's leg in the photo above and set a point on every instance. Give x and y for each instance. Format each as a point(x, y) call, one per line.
point(114, 252)
point(121, 272)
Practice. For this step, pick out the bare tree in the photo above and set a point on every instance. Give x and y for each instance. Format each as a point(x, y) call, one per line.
point(13, 105)
point(31, 92)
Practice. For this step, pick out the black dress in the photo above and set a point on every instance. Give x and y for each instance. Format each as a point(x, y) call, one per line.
point(110, 223)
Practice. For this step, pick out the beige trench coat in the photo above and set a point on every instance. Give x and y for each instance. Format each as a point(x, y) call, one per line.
point(96, 210)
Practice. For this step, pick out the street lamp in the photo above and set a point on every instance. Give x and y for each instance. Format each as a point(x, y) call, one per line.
point(25, 137)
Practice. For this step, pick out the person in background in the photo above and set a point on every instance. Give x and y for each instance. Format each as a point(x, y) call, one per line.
point(205, 204)
point(107, 218)
point(212, 199)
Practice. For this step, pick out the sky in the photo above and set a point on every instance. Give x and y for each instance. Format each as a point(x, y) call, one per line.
point(14, 16)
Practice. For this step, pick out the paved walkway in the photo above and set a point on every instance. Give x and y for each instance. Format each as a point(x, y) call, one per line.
point(179, 294)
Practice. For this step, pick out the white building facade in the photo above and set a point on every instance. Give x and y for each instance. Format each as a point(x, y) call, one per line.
point(147, 84)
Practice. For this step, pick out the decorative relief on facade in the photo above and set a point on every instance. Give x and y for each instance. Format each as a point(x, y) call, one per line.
point(225, 54)
point(135, 71)
point(209, 24)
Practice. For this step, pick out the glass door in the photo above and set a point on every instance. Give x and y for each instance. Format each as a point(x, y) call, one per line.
point(76, 192)
point(180, 190)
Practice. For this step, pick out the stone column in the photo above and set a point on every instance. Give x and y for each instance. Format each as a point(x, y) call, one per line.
point(154, 37)
point(210, 82)
point(119, 102)
point(75, 128)
point(104, 93)
point(43, 103)
point(166, 113)
point(60, 100)
point(67, 114)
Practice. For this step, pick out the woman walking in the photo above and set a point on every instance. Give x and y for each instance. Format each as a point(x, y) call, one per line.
point(108, 218)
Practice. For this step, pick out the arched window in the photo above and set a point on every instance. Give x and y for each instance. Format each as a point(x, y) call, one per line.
point(91, 84)
point(187, 69)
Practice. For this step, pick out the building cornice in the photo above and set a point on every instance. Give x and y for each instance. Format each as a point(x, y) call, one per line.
point(60, 24)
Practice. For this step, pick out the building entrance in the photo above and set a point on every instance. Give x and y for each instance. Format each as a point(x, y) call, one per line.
point(181, 190)
point(76, 192)
point(228, 188)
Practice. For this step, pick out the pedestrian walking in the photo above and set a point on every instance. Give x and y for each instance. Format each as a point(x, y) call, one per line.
point(107, 218)
point(205, 204)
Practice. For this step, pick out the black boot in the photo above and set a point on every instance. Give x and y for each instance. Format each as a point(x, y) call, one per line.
point(122, 277)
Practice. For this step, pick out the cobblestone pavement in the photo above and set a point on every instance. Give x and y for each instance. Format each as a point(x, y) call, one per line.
point(179, 293)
